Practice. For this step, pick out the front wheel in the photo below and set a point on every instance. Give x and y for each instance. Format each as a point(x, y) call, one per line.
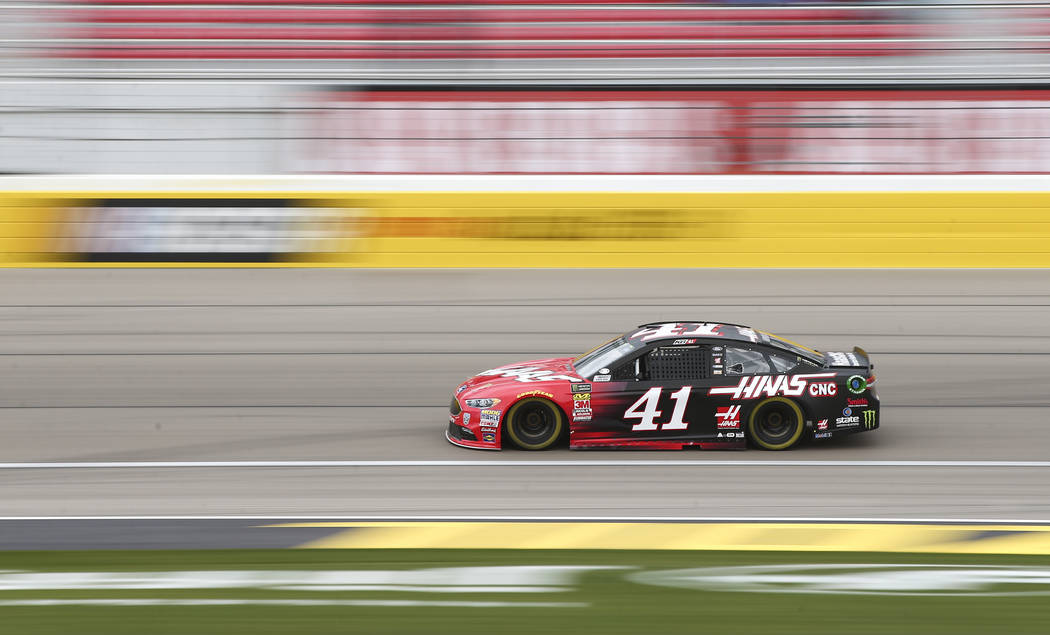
point(534, 424)
point(775, 424)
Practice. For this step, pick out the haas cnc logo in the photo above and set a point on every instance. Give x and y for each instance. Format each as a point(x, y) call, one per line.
point(751, 387)
point(728, 417)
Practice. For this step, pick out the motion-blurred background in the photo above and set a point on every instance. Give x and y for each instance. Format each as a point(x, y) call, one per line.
point(522, 86)
point(175, 373)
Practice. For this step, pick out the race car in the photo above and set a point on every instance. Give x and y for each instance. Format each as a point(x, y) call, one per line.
point(671, 385)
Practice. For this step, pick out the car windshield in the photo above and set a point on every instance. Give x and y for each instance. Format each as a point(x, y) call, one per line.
point(797, 349)
point(602, 356)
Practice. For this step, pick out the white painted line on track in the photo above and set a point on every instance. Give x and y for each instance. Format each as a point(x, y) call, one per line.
point(510, 463)
point(279, 602)
point(595, 519)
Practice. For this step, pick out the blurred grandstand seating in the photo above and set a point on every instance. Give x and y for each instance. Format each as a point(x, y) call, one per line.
point(525, 40)
point(242, 86)
point(220, 29)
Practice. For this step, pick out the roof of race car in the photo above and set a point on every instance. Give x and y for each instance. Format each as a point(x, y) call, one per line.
point(646, 333)
point(661, 330)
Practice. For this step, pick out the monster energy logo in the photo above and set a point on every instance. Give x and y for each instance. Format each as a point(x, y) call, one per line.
point(869, 419)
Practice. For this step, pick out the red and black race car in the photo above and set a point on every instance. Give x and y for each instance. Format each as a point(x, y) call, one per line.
point(671, 385)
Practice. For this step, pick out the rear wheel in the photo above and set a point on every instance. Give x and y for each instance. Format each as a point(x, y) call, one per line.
point(534, 424)
point(775, 424)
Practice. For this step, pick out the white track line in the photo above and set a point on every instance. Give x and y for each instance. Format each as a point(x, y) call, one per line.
point(511, 463)
point(594, 519)
point(282, 602)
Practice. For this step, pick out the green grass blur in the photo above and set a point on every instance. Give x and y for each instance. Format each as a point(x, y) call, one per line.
point(615, 605)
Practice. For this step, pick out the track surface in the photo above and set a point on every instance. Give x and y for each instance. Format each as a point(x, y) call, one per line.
point(227, 365)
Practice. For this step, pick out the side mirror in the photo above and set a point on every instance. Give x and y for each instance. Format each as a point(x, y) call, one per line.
point(737, 369)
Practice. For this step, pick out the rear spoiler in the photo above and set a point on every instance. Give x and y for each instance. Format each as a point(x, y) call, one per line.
point(860, 352)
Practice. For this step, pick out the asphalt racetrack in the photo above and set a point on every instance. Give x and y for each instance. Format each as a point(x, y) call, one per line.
point(211, 368)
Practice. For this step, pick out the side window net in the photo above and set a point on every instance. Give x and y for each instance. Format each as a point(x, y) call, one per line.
point(625, 371)
point(676, 363)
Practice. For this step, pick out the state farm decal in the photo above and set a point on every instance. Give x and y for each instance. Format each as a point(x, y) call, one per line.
point(728, 417)
point(527, 374)
point(848, 419)
point(769, 386)
point(678, 330)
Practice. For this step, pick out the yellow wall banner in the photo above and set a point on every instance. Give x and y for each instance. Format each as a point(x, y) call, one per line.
point(525, 229)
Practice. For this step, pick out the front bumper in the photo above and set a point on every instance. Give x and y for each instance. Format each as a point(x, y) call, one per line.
point(456, 439)
point(470, 436)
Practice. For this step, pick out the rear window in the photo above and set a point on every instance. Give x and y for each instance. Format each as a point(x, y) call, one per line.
point(782, 363)
point(797, 349)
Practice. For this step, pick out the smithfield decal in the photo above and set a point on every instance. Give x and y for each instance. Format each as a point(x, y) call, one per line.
point(769, 386)
point(527, 374)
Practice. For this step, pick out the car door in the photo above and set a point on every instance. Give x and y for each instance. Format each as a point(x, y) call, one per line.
point(657, 395)
point(749, 373)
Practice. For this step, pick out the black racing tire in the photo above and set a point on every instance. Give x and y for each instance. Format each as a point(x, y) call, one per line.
point(775, 424)
point(534, 424)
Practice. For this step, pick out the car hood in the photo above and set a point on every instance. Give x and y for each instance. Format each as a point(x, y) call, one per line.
point(531, 373)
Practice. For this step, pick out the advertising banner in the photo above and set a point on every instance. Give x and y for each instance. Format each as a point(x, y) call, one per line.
point(689, 131)
point(197, 229)
point(590, 229)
